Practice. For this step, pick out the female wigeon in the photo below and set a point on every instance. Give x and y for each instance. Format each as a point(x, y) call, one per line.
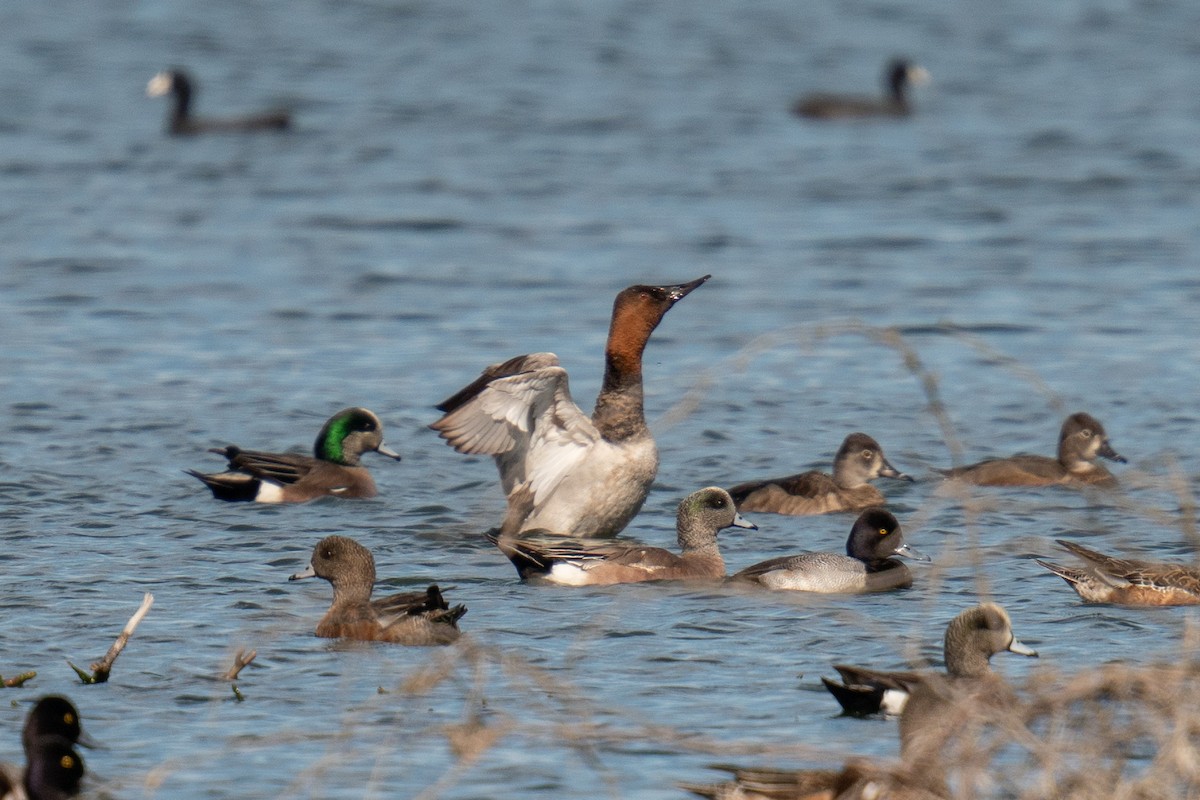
point(972, 638)
point(334, 469)
point(898, 76)
point(415, 618)
point(1080, 442)
point(867, 566)
point(589, 475)
point(859, 460)
point(180, 121)
point(700, 516)
point(1127, 581)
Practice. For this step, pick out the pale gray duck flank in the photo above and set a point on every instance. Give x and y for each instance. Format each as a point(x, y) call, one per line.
point(701, 515)
point(589, 475)
point(867, 566)
point(859, 460)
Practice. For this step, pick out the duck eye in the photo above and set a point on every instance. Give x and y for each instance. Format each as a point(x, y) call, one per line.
point(67, 762)
point(1085, 433)
point(69, 718)
point(883, 531)
point(868, 455)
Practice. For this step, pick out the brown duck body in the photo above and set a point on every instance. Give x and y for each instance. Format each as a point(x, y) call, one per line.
point(899, 76)
point(1081, 441)
point(412, 618)
point(859, 779)
point(1127, 581)
point(699, 518)
point(858, 461)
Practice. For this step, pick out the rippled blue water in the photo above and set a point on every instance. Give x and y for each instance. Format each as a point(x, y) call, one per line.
point(472, 181)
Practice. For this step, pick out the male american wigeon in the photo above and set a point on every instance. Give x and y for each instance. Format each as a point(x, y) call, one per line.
point(859, 461)
point(946, 712)
point(53, 771)
point(867, 566)
point(972, 638)
point(415, 618)
point(1127, 581)
point(859, 779)
point(699, 518)
point(334, 469)
point(589, 475)
point(898, 76)
point(1080, 442)
point(181, 122)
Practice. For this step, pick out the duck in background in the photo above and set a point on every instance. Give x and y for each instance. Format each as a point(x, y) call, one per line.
point(180, 122)
point(859, 460)
point(1081, 440)
point(867, 566)
point(898, 77)
point(333, 470)
point(588, 475)
point(699, 518)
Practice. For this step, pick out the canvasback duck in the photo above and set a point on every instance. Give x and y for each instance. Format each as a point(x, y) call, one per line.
point(1127, 581)
point(589, 475)
point(414, 618)
point(867, 566)
point(700, 517)
point(899, 75)
point(1080, 442)
point(334, 469)
point(180, 121)
point(972, 638)
point(859, 779)
point(859, 460)
point(53, 771)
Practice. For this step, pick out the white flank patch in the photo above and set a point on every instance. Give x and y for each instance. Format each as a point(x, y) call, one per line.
point(567, 574)
point(159, 85)
point(893, 702)
point(269, 493)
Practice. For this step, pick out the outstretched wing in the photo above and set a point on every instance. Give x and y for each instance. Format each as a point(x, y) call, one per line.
point(520, 412)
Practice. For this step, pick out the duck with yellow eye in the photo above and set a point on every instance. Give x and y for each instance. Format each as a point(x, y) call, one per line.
point(867, 566)
point(53, 770)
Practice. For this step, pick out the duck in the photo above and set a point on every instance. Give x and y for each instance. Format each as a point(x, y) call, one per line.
point(858, 779)
point(859, 460)
point(899, 74)
point(412, 618)
point(54, 715)
point(972, 638)
point(589, 475)
point(867, 566)
point(1127, 581)
point(1081, 441)
point(945, 711)
point(701, 515)
point(333, 470)
point(179, 84)
point(53, 771)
